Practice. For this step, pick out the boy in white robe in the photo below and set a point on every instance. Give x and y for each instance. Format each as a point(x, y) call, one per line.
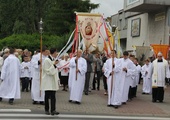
point(146, 74)
point(112, 72)
point(137, 75)
point(36, 93)
point(127, 70)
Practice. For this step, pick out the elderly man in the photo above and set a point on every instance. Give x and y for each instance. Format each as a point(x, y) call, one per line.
point(160, 71)
point(78, 68)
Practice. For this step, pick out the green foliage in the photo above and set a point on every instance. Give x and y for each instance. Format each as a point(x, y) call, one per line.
point(32, 42)
point(19, 21)
point(22, 16)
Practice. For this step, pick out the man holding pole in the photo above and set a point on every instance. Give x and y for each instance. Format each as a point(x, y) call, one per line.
point(112, 72)
point(36, 93)
point(78, 67)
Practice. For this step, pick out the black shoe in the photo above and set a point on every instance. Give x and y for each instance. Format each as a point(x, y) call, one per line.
point(27, 90)
point(77, 102)
point(143, 93)
point(34, 102)
point(11, 102)
point(123, 103)
point(0, 99)
point(54, 113)
point(42, 103)
point(153, 101)
point(116, 106)
point(47, 112)
point(86, 93)
point(70, 101)
point(161, 101)
point(110, 105)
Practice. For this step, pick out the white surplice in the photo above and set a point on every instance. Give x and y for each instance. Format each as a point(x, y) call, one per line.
point(146, 75)
point(35, 88)
point(126, 77)
point(76, 87)
point(160, 71)
point(10, 74)
point(113, 82)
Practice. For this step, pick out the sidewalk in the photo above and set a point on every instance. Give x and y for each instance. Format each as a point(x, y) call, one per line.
point(96, 104)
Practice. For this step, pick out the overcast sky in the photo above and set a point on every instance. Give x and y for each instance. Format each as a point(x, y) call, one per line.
point(108, 7)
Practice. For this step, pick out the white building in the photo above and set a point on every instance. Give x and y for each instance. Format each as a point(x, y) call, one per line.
point(143, 22)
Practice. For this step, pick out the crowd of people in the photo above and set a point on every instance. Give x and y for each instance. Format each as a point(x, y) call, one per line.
point(43, 74)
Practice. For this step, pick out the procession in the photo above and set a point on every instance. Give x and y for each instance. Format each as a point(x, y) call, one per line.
point(91, 63)
point(120, 76)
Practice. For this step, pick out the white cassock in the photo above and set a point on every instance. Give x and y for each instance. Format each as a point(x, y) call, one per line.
point(126, 77)
point(35, 88)
point(76, 87)
point(10, 74)
point(113, 82)
point(132, 79)
point(147, 81)
point(138, 71)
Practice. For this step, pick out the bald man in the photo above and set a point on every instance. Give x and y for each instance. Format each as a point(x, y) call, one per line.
point(160, 70)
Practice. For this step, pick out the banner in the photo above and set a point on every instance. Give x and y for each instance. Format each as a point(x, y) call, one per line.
point(88, 25)
point(107, 37)
point(161, 48)
point(142, 53)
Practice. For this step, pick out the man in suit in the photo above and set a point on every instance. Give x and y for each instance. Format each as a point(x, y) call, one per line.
point(89, 59)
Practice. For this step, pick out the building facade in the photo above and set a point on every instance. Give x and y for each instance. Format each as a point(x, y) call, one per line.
point(143, 22)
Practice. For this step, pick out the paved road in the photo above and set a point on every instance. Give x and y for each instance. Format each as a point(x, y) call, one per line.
point(95, 104)
point(27, 114)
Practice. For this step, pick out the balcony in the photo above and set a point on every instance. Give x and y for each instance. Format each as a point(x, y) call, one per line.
point(145, 5)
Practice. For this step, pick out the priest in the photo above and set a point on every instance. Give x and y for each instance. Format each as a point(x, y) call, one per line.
point(160, 71)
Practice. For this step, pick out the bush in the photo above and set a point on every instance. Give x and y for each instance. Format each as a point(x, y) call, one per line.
point(32, 41)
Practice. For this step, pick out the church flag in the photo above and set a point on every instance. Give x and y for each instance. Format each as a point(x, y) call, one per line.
point(88, 25)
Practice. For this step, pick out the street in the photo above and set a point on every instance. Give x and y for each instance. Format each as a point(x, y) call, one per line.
point(93, 106)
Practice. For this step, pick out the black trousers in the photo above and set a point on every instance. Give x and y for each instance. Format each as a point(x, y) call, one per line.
point(50, 95)
point(86, 87)
point(130, 95)
point(105, 82)
point(25, 83)
point(158, 94)
point(98, 79)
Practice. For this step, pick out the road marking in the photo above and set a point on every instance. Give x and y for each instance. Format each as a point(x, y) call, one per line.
point(15, 110)
point(67, 116)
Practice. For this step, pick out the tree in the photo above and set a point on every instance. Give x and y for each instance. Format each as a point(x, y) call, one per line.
point(22, 16)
